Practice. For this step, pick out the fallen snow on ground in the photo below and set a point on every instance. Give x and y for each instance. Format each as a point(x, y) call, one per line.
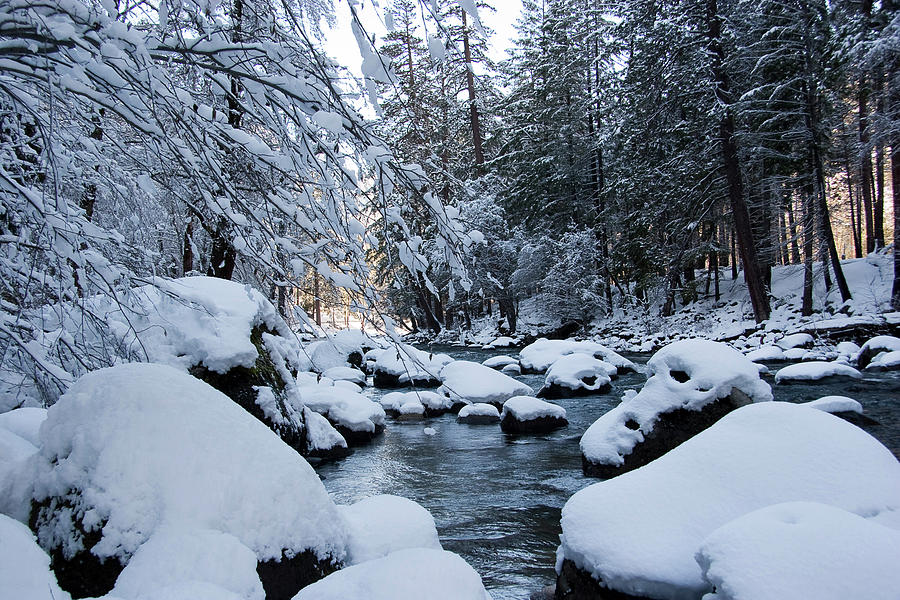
point(410, 574)
point(148, 446)
point(24, 422)
point(705, 370)
point(814, 371)
point(528, 408)
point(836, 404)
point(24, 567)
point(16, 479)
point(383, 524)
point(801, 550)
point(472, 382)
point(639, 532)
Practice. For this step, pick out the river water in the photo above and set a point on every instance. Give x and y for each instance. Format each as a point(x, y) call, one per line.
point(496, 498)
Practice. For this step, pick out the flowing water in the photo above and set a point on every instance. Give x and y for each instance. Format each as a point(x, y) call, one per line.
point(496, 498)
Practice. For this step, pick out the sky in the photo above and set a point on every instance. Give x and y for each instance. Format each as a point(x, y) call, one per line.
point(340, 44)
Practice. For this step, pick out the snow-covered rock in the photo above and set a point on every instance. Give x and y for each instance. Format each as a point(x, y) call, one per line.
point(795, 353)
point(766, 353)
point(24, 422)
point(512, 370)
point(24, 567)
point(356, 418)
point(471, 382)
point(638, 533)
point(815, 371)
point(15, 475)
point(801, 550)
point(874, 347)
point(577, 375)
point(433, 404)
point(538, 356)
point(693, 384)
point(836, 404)
point(405, 365)
point(504, 341)
point(847, 349)
point(323, 441)
point(796, 340)
point(380, 525)
point(886, 361)
point(498, 362)
point(409, 574)
point(346, 348)
point(345, 374)
point(172, 556)
point(527, 414)
point(478, 414)
point(131, 449)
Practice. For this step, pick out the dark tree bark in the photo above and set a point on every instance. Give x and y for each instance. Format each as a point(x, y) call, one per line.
point(792, 225)
point(752, 276)
point(808, 245)
point(187, 254)
point(473, 107)
point(865, 163)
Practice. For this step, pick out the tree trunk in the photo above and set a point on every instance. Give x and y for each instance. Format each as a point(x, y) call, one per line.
point(187, 255)
point(473, 107)
point(808, 245)
point(878, 200)
point(746, 243)
point(865, 164)
point(222, 255)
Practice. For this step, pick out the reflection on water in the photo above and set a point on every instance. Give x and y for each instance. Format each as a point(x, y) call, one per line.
point(496, 497)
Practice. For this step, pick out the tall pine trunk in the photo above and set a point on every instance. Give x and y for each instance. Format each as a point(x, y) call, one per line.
point(473, 106)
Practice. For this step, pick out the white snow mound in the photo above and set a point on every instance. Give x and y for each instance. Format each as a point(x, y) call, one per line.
point(24, 422)
point(472, 382)
point(343, 407)
point(638, 532)
point(410, 574)
point(801, 550)
point(539, 355)
point(383, 524)
point(479, 409)
point(24, 567)
point(836, 404)
point(814, 371)
point(571, 370)
point(149, 446)
point(528, 408)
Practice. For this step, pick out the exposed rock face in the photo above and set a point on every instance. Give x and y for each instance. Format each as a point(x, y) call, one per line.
point(283, 579)
point(510, 424)
point(672, 429)
point(554, 390)
point(574, 584)
point(478, 419)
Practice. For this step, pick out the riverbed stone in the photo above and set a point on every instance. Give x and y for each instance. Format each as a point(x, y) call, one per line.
point(573, 583)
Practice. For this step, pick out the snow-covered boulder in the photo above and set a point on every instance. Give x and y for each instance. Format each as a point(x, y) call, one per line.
point(848, 350)
point(538, 356)
point(638, 533)
point(470, 382)
point(135, 448)
point(433, 404)
point(513, 370)
point(795, 353)
point(478, 414)
point(177, 556)
point(346, 348)
point(874, 347)
point(15, 478)
point(815, 371)
point(498, 362)
point(355, 417)
point(766, 353)
point(409, 574)
point(693, 384)
point(504, 341)
point(345, 374)
point(795, 340)
point(801, 550)
point(323, 441)
point(527, 414)
point(886, 361)
point(24, 422)
point(380, 525)
point(24, 567)
point(404, 365)
point(577, 375)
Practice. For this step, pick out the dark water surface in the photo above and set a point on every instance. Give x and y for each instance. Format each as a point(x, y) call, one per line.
point(496, 497)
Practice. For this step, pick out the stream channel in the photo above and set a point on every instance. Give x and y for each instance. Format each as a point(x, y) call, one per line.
point(496, 498)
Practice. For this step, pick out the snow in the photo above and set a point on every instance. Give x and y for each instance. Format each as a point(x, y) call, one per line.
point(795, 340)
point(714, 370)
point(480, 410)
point(380, 525)
point(409, 574)
point(528, 408)
point(885, 361)
point(149, 446)
point(795, 354)
point(24, 422)
point(429, 431)
point(571, 370)
point(511, 370)
point(472, 382)
point(411, 408)
point(539, 355)
point(15, 475)
point(766, 353)
point(836, 404)
point(343, 407)
point(320, 435)
point(172, 556)
point(848, 349)
point(500, 342)
point(428, 399)
point(345, 374)
point(498, 362)
point(801, 550)
point(814, 371)
point(638, 532)
point(24, 567)
point(880, 343)
point(410, 364)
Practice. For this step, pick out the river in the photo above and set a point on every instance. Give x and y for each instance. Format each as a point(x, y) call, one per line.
point(496, 498)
